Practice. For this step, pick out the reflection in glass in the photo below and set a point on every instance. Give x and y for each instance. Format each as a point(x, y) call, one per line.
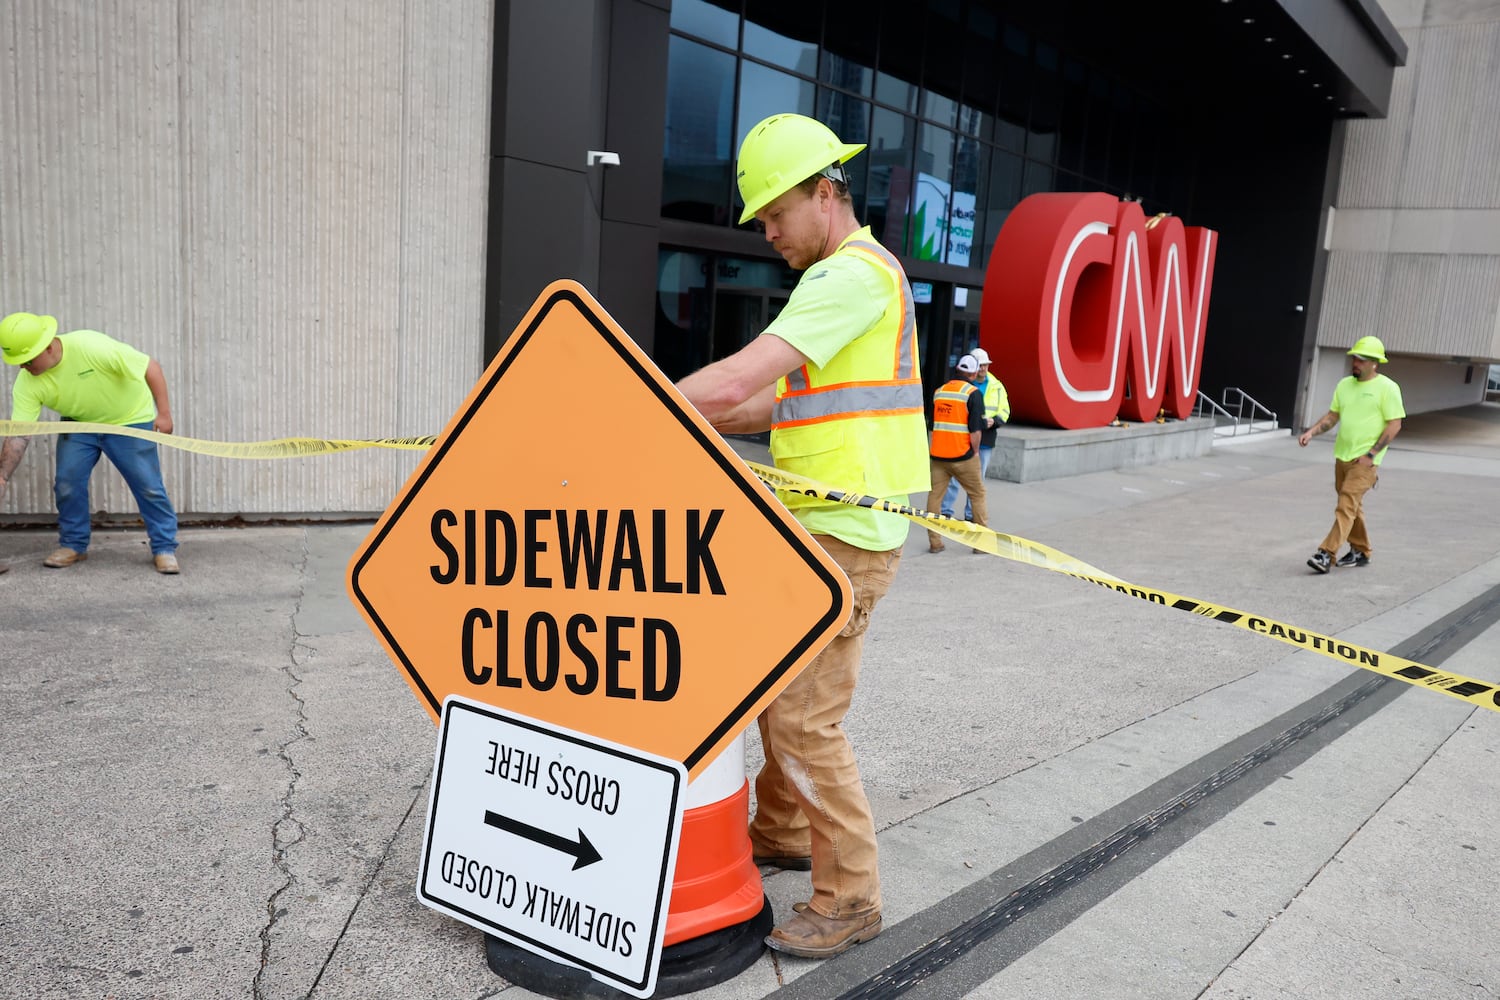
point(895, 92)
point(698, 150)
point(932, 192)
point(940, 109)
point(1001, 194)
point(683, 313)
point(798, 55)
point(765, 92)
point(706, 20)
point(846, 74)
point(1037, 178)
point(892, 143)
point(969, 169)
point(849, 117)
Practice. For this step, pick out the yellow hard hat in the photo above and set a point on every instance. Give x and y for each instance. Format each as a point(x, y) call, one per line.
point(25, 335)
point(1369, 347)
point(782, 152)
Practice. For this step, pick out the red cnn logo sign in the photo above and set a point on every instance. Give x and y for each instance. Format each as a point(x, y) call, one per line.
point(1082, 300)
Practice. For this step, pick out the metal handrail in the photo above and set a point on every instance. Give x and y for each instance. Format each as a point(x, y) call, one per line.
point(1229, 422)
point(1207, 406)
point(1257, 411)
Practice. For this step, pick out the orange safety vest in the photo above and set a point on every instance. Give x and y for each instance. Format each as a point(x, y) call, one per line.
point(950, 419)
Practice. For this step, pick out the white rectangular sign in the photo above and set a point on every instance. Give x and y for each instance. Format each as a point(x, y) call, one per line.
point(558, 842)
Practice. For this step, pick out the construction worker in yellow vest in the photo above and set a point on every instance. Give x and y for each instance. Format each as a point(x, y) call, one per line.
point(996, 412)
point(1368, 411)
point(837, 381)
point(958, 421)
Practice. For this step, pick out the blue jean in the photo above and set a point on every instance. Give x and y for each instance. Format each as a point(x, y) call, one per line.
point(951, 497)
point(139, 464)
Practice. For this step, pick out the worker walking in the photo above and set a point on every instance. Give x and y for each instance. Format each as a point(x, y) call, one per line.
point(1368, 410)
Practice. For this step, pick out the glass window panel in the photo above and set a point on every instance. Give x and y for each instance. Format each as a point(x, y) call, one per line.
point(932, 193)
point(1121, 138)
point(1010, 135)
point(697, 17)
point(846, 74)
point(1001, 194)
point(1046, 106)
point(1037, 178)
point(892, 144)
point(969, 169)
point(765, 92)
point(698, 145)
point(1096, 137)
point(972, 121)
point(1073, 116)
point(895, 92)
point(683, 313)
point(849, 117)
point(849, 54)
point(785, 34)
point(1013, 78)
point(943, 110)
point(942, 63)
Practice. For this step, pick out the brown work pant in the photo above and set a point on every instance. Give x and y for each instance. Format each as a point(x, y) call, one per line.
point(1351, 480)
point(969, 476)
point(809, 799)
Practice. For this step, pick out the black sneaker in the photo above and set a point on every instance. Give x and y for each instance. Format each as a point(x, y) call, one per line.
point(1353, 557)
point(1321, 561)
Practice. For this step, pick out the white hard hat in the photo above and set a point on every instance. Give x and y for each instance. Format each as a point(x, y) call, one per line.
point(980, 355)
point(968, 365)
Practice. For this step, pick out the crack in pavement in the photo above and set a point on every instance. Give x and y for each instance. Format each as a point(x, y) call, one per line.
point(287, 832)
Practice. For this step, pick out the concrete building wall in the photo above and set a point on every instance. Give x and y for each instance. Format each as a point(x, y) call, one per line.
point(1414, 239)
point(283, 202)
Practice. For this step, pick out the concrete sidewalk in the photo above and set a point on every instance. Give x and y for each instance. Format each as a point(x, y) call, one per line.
point(217, 782)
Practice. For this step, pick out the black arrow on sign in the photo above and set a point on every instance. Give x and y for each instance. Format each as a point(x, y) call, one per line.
point(582, 851)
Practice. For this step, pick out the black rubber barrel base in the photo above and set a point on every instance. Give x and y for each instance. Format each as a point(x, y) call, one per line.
point(695, 964)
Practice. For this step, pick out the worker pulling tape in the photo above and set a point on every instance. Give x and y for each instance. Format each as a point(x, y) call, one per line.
point(976, 536)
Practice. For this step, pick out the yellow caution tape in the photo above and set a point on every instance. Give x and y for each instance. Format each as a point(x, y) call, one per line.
point(1010, 547)
point(278, 448)
point(995, 542)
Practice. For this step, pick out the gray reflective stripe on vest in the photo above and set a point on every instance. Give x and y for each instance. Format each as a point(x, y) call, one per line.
point(850, 400)
point(906, 353)
point(960, 397)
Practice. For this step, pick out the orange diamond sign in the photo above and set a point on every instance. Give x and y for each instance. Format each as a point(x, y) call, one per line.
point(581, 547)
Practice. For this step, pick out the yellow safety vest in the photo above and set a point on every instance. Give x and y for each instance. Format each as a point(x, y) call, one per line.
point(996, 399)
point(857, 422)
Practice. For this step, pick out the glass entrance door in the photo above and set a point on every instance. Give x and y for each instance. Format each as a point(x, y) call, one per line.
point(741, 314)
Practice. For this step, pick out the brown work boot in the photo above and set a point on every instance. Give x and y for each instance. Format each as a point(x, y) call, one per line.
point(64, 557)
point(935, 546)
point(166, 563)
point(811, 935)
point(786, 862)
